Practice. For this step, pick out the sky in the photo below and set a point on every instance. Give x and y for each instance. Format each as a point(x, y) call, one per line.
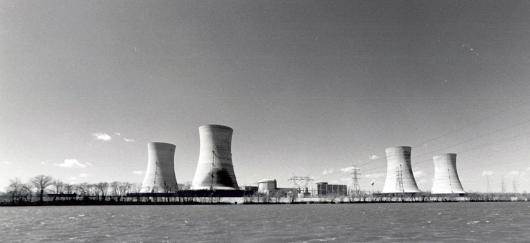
point(310, 88)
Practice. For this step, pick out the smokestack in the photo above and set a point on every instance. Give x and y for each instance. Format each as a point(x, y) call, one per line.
point(399, 176)
point(160, 174)
point(214, 167)
point(445, 175)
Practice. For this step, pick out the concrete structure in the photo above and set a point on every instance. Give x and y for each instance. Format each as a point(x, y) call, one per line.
point(446, 179)
point(267, 186)
point(399, 176)
point(160, 173)
point(214, 167)
point(323, 189)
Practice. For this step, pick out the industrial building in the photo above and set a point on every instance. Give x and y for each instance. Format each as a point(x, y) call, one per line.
point(446, 180)
point(325, 189)
point(267, 186)
point(399, 176)
point(160, 173)
point(214, 167)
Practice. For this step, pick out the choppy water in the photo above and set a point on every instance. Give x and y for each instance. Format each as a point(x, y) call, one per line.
point(447, 222)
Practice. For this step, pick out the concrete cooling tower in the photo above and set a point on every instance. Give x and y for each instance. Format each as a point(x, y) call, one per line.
point(445, 175)
point(399, 176)
point(214, 168)
point(160, 174)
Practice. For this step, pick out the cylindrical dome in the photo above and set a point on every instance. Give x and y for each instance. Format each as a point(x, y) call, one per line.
point(214, 167)
point(399, 176)
point(160, 173)
point(446, 179)
point(266, 186)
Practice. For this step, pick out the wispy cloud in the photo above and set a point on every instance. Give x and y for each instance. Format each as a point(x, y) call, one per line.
point(328, 171)
point(102, 136)
point(514, 172)
point(83, 175)
point(71, 178)
point(117, 133)
point(487, 173)
point(138, 172)
point(71, 163)
point(374, 157)
point(347, 169)
point(128, 140)
point(5, 162)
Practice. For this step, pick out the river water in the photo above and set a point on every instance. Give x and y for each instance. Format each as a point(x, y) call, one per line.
point(432, 222)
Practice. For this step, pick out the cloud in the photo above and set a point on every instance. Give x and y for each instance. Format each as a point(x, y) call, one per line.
point(102, 136)
point(487, 173)
point(70, 163)
point(373, 157)
point(117, 133)
point(5, 162)
point(138, 172)
point(128, 140)
point(328, 171)
point(375, 175)
point(419, 173)
point(83, 175)
point(347, 169)
point(514, 172)
point(71, 178)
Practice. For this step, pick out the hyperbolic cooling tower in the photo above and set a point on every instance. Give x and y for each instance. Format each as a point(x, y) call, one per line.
point(160, 174)
point(445, 175)
point(214, 168)
point(399, 176)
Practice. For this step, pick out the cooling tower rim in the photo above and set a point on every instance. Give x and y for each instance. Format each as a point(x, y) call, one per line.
point(215, 126)
point(444, 155)
point(157, 144)
point(398, 148)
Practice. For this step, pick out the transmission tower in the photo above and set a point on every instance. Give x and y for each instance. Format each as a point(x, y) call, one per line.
point(399, 178)
point(356, 187)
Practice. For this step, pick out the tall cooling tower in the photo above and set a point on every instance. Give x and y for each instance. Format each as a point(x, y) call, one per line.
point(399, 176)
point(445, 175)
point(214, 168)
point(160, 174)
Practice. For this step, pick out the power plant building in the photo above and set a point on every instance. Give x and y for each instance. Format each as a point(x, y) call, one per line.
point(215, 170)
point(446, 180)
point(160, 173)
point(267, 186)
point(399, 176)
point(323, 189)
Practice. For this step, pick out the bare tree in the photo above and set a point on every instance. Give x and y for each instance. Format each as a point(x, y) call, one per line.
point(27, 191)
point(102, 188)
point(58, 186)
point(41, 182)
point(14, 189)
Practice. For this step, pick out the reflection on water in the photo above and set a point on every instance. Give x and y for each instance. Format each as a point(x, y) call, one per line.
point(270, 223)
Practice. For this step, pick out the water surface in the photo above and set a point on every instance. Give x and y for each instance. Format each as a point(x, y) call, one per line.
point(433, 222)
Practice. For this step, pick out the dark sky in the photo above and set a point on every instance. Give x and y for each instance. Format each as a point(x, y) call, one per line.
point(309, 87)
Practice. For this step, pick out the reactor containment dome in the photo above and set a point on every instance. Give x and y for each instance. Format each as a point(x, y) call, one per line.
point(160, 173)
point(446, 180)
point(215, 170)
point(399, 176)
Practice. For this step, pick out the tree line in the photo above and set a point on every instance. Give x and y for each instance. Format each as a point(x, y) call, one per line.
point(35, 189)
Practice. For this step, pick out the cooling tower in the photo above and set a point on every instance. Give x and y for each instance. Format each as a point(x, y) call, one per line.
point(160, 174)
point(445, 175)
point(399, 176)
point(214, 168)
